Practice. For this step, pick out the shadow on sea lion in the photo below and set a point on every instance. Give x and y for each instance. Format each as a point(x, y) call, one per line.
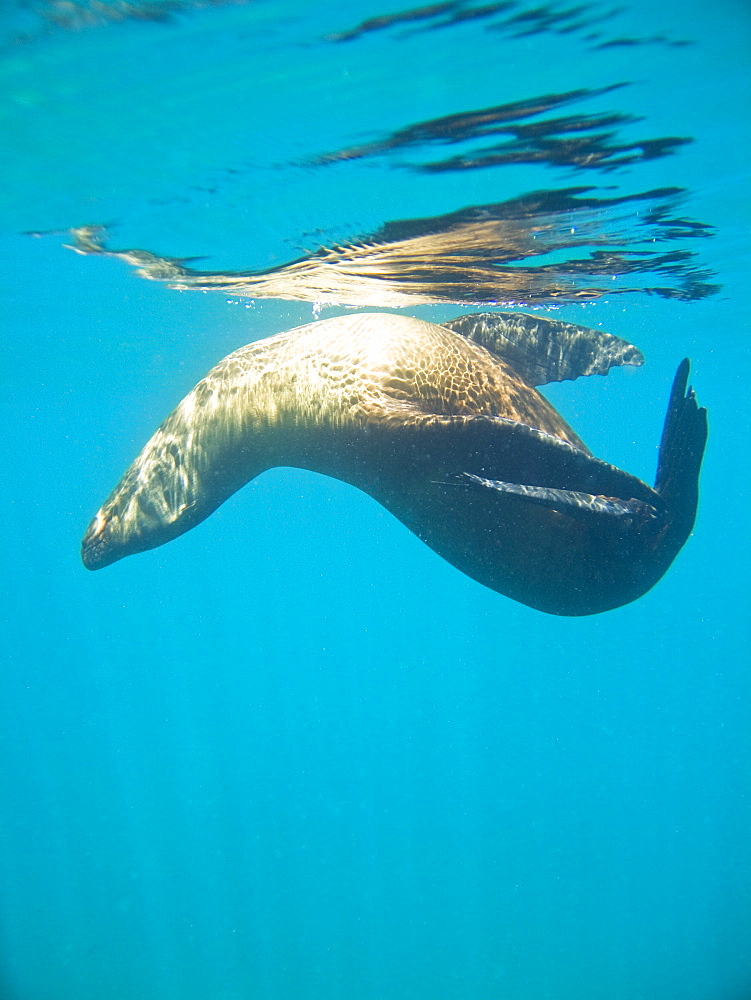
point(443, 426)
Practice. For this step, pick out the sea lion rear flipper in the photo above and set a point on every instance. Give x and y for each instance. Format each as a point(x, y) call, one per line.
point(572, 502)
point(545, 350)
point(684, 437)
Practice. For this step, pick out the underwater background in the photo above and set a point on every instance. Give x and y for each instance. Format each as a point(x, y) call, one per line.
point(294, 754)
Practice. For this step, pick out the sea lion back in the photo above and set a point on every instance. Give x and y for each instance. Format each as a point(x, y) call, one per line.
point(380, 366)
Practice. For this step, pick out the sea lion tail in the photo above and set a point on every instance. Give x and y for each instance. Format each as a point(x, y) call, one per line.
point(684, 437)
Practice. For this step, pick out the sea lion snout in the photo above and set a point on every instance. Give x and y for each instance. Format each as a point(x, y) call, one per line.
point(96, 550)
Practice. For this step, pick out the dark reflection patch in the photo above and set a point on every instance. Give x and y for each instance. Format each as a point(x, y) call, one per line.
point(615, 43)
point(389, 20)
point(507, 17)
point(75, 15)
point(440, 14)
point(571, 141)
point(465, 125)
point(487, 254)
point(590, 152)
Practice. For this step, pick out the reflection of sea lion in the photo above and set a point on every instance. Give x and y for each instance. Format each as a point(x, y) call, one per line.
point(447, 435)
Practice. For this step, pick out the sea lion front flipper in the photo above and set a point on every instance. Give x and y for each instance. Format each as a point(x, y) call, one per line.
point(545, 350)
point(572, 502)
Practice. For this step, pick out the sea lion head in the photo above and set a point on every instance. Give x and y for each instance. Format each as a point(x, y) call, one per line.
point(155, 501)
point(127, 524)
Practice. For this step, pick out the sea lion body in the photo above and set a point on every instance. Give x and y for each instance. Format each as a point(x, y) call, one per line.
point(442, 431)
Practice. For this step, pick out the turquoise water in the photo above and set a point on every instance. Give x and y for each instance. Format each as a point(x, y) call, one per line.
point(293, 754)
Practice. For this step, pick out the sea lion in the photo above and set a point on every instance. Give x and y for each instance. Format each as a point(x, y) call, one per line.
point(444, 427)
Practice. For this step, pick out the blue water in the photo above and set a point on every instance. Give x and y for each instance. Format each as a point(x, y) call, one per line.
point(294, 755)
